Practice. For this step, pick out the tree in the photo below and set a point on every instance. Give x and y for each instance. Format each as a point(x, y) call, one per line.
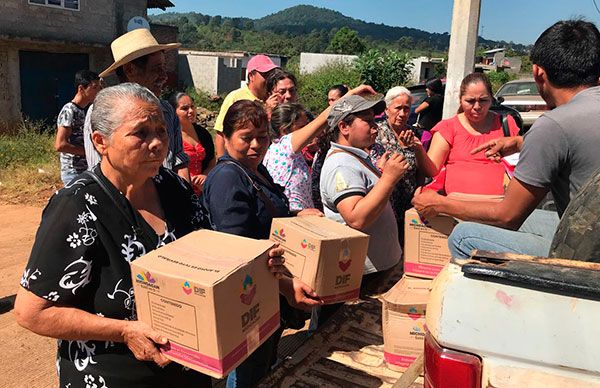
point(346, 41)
point(383, 70)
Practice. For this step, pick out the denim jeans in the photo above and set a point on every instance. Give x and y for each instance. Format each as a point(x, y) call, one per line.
point(533, 237)
point(67, 175)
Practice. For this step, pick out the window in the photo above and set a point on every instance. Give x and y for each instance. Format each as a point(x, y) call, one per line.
point(66, 4)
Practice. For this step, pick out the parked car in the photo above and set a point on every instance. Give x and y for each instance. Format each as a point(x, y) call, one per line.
point(523, 96)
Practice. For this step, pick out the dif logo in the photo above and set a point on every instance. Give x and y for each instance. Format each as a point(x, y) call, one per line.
point(247, 295)
point(414, 314)
point(344, 262)
point(248, 290)
point(187, 288)
point(305, 244)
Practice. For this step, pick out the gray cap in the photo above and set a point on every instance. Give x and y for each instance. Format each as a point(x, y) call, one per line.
point(352, 104)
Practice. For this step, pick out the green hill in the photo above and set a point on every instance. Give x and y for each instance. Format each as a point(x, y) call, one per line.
point(302, 28)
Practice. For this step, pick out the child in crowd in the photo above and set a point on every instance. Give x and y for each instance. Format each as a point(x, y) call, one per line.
point(69, 134)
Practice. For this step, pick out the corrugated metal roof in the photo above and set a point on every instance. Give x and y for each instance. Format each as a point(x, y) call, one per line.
point(162, 4)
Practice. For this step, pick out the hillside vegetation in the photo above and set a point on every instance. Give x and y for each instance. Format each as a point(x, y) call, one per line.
point(304, 28)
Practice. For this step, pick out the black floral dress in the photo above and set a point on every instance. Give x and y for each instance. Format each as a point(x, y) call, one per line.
point(81, 258)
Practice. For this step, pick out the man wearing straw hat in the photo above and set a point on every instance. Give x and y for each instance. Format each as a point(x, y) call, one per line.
point(140, 59)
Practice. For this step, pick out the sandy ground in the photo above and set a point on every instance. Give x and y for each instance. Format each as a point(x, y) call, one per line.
point(27, 359)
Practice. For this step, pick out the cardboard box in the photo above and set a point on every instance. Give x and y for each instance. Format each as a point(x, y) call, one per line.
point(426, 243)
point(403, 319)
point(326, 255)
point(212, 295)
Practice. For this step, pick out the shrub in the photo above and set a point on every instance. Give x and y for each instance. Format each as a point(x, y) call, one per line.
point(29, 144)
point(313, 87)
point(29, 166)
point(383, 70)
point(204, 100)
point(499, 78)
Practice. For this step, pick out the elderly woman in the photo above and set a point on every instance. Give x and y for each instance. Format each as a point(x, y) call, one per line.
point(395, 136)
point(77, 285)
point(242, 199)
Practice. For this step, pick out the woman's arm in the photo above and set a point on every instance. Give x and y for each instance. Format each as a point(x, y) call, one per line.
point(69, 323)
point(304, 135)
point(359, 211)
point(432, 161)
point(424, 105)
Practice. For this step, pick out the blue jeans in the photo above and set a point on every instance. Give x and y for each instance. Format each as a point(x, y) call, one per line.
point(533, 237)
point(67, 175)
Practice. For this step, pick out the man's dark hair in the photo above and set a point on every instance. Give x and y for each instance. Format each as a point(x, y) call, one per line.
point(138, 62)
point(569, 53)
point(84, 78)
point(343, 89)
point(277, 75)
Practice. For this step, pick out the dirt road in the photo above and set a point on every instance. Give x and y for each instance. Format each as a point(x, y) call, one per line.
point(27, 359)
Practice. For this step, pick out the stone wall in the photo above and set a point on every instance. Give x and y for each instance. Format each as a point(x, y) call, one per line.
point(97, 21)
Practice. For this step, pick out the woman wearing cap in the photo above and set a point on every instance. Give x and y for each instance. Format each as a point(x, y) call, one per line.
point(354, 191)
point(454, 138)
point(77, 285)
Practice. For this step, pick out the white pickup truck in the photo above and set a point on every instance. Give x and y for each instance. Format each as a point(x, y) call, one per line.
point(502, 320)
point(505, 320)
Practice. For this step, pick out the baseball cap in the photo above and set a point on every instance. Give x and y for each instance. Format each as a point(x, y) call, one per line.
point(352, 104)
point(260, 63)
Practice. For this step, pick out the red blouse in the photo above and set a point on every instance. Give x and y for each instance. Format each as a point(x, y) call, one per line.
point(472, 174)
point(197, 155)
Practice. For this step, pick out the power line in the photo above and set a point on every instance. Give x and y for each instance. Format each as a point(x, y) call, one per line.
point(596, 5)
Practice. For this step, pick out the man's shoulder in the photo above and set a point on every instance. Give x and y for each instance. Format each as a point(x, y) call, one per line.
point(341, 161)
point(242, 93)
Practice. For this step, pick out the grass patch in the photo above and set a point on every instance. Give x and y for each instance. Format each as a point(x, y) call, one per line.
point(29, 166)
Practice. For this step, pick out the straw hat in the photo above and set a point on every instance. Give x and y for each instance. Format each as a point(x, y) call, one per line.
point(133, 45)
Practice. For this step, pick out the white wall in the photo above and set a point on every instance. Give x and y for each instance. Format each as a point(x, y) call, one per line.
point(311, 62)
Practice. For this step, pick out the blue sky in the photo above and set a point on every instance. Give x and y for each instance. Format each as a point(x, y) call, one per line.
point(521, 21)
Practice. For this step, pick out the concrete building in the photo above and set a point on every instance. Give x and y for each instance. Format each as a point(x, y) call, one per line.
point(496, 60)
point(44, 42)
point(216, 72)
point(423, 68)
point(311, 62)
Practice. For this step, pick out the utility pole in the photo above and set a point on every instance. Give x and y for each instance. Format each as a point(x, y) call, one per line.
point(461, 53)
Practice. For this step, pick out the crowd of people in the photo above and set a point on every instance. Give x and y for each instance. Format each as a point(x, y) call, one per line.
point(139, 172)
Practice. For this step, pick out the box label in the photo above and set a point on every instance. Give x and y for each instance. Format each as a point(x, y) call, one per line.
point(174, 318)
point(433, 248)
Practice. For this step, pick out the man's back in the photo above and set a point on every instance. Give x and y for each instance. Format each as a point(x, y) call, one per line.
point(561, 149)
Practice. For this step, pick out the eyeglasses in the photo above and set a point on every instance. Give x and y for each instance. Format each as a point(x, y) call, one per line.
point(481, 101)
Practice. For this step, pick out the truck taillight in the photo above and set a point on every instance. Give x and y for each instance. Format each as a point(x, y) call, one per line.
point(445, 368)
